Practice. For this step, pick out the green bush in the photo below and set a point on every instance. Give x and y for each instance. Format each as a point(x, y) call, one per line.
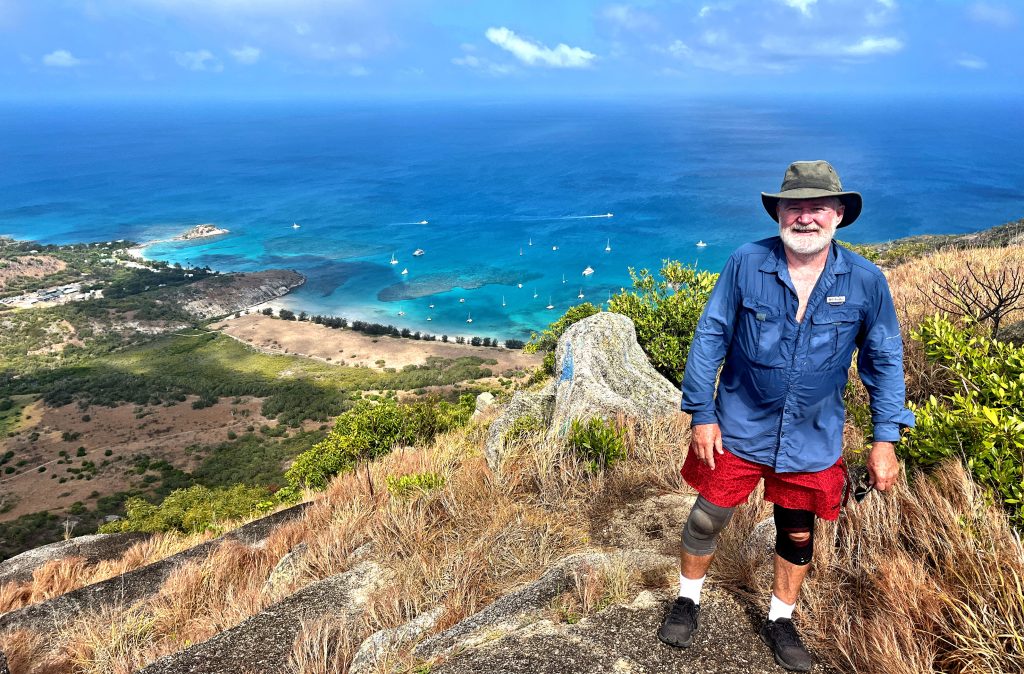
point(190, 510)
point(665, 312)
point(982, 421)
point(522, 427)
point(371, 429)
point(548, 339)
point(598, 442)
point(414, 484)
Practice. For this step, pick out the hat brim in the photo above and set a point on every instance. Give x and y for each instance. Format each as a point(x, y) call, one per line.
point(852, 202)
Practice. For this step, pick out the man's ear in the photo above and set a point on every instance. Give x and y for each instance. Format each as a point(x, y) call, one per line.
point(839, 213)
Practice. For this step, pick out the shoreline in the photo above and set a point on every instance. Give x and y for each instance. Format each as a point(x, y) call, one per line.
point(194, 233)
point(346, 347)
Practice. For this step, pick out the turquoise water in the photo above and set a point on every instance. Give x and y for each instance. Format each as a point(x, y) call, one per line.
point(489, 179)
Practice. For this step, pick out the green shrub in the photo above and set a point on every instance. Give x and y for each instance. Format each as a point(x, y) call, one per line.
point(548, 339)
point(190, 510)
point(665, 312)
point(598, 442)
point(522, 427)
point(982, 421)
point(414, 484)
point(371, 429)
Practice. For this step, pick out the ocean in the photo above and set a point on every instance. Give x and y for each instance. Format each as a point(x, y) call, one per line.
point(498, 195)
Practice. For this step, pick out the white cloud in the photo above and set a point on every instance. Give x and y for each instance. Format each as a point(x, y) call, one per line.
point(474, 62)
point(629, 17)
point(824, 49)
point(732, 58)
point(971, 62)
point(198, 60)
point(531, 53)
point(869, 46)
point(704, 11)
point(301, 28)
point(246, 55)
point(996, 15)
point(61, 58)
point(358, 71)
point(803, 6)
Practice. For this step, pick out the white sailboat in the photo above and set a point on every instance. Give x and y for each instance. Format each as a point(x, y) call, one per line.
point(502, 300)
point(534, 293)
point(429, 318)
point(417, 252)
point(550, 305)
point(424, 222)
point(469, 318)
point(520, 250)
point(296, 225)
point(431, 306)
point(700, 243)
point(405, 272)
point(394, 260)
point(401, 313)
point(462, 300)
point(554, 247)
point(531, 241)
point(519, 285)
point(588, 271)
point(563, 278)
point(608, 246)
point(581, 294)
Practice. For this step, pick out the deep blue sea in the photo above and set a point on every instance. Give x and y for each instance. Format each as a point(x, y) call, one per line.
point(489, 179)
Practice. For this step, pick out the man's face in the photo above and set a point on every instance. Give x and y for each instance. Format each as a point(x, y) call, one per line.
point(808, 225)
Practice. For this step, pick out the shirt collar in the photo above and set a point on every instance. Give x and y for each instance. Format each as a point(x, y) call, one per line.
point(775, 261)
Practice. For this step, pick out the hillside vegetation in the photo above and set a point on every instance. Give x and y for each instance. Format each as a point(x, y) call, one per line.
point(926, 578)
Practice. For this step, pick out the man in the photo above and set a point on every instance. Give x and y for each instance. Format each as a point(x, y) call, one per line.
point(785, 316)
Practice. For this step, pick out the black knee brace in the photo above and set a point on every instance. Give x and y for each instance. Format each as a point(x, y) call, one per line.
point(706, 521)
point(788, 522)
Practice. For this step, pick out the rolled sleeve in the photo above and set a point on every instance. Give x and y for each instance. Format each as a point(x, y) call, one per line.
point(709, 346)
point(880, 366)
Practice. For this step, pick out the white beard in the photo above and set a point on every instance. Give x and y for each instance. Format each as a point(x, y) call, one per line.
point(803, 244)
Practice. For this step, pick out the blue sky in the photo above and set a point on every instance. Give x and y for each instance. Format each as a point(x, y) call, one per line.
point(440, 48)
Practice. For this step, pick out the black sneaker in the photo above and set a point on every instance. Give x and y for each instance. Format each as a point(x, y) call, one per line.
point(680, 623)
point(781, 637)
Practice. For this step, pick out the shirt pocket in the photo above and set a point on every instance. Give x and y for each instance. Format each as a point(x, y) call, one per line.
point(762, 331)
point(833, 337)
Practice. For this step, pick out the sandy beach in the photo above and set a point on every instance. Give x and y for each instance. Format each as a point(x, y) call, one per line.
point(203, 231)
point(273, 335)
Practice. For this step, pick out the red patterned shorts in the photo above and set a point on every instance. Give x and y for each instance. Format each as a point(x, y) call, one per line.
point(733, 478)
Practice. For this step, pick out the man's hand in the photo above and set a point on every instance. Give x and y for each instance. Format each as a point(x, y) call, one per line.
point(705, 440)
point(883, 468)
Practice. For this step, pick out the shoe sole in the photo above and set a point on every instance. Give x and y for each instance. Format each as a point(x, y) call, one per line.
point(779, 661)
point(675, 644)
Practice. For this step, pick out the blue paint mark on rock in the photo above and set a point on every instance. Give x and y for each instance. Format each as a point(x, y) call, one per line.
point(567, 364)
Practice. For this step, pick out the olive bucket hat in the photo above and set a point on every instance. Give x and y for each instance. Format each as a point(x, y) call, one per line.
point(811, 180)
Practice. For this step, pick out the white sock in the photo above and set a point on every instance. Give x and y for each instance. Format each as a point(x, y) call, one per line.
point(780, 609)
point(690, 587)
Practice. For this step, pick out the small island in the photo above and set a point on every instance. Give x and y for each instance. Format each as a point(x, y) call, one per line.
point(200, 232)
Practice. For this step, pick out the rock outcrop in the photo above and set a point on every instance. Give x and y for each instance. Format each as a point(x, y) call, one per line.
point(93, 548)
point(263, 642)
point(226, 294)
point(535, 405)
point(134, 585)
point(600, 371)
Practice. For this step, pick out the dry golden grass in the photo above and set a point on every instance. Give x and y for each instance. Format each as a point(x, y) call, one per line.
point(323, 647)
point(60, 576)
point(912, 285)
point(927, 578)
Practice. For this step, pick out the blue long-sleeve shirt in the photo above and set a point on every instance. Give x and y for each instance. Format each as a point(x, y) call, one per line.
point(780, 394)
